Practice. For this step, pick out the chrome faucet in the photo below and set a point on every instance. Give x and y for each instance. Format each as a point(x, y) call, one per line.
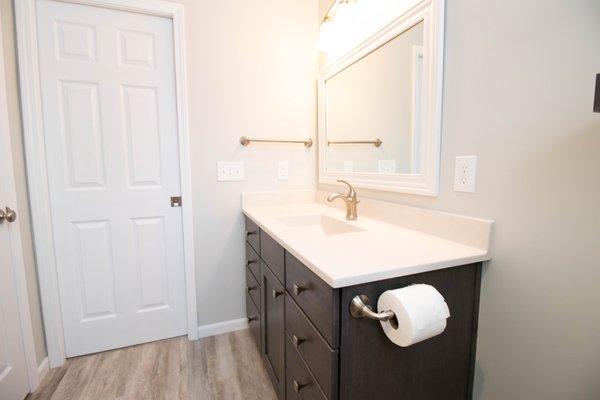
point(349, 199)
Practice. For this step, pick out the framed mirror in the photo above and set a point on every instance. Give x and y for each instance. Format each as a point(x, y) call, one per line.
point(380, 107)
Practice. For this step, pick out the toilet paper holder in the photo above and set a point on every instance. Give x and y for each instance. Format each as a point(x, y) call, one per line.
point(360, 308)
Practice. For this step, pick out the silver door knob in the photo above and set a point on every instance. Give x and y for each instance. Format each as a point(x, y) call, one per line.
point(8, 215)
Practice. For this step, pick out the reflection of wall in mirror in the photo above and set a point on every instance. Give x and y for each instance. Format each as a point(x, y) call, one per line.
point(375, 98)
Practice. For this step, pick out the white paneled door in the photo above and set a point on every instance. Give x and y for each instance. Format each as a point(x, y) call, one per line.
point(14, 379)
point(13, 370)
point(110, 128)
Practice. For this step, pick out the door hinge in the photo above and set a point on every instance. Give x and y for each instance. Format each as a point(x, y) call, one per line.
point(175, 201)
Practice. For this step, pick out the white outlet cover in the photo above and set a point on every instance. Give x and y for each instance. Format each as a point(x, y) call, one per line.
point(465, 174)
point(283, 170)
point(230, 171)
point(386, 166)
point(348, 166)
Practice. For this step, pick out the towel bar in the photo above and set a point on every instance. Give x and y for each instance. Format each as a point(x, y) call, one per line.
point(245, 141)
point(376, 142)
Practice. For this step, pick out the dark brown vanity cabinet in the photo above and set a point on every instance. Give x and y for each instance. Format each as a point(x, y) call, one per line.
point(314, 349)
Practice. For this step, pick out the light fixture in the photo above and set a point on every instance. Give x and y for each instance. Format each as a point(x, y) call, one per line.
point(344, 13)
point(338, 22)
point(326, 35)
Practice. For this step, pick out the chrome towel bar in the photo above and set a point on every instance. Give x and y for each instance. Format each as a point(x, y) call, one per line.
point(376, 142)
point(245, 141)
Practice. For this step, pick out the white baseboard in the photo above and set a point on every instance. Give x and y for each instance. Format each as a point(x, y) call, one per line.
point(43, 369)
point(222, 327)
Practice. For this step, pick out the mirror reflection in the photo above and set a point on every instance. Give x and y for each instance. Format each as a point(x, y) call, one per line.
point(373, 109)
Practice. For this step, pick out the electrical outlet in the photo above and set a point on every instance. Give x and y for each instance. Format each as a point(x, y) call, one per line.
point(348, 166)
point(283, 170)
point(465, 174)
point(229, 171)
point(386, 166)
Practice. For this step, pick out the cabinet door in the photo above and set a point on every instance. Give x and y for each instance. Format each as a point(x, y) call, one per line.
point(273, 300)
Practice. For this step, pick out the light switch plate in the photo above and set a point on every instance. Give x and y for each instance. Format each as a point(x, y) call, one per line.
point(465, 174)
point(230, 171)
point(386, 166)
point(283, 170)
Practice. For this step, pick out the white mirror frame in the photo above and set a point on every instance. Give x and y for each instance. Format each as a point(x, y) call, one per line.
point(426, 182)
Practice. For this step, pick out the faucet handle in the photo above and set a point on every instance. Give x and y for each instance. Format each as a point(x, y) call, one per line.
point(351, 191)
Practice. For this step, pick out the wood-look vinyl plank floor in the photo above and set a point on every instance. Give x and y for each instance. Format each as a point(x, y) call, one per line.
point(222, 367)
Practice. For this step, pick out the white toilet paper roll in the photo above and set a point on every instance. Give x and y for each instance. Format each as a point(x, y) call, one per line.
point(420, 310)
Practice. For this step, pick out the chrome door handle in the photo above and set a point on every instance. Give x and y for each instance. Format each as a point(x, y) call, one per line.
point(8, 215)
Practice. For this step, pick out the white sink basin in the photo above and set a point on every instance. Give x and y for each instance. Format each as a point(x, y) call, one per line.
point(319, 224)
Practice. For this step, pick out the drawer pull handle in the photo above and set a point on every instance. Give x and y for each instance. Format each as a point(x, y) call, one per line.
point(298, 289)
point(298, 386)
point(251, 288)
point(277, 293)
point(297, 341)
point(249, 233)
point(251, 319)
point(251, 262)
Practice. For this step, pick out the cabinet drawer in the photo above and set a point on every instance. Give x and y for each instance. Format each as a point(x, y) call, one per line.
point(316, 353)
point(318, 300)
point(273, 254)
point(252, 234)
point(300, 384)
point(252, 261)
point(253, 321)
point(253, 288)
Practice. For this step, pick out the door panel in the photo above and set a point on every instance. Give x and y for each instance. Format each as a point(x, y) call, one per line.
point(80, 119)
point(141, 120)
point(93, 252)
point(151, 261)
point(110, 126)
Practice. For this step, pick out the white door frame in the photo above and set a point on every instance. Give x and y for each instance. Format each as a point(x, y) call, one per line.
point(33, 131)
point(34, 375)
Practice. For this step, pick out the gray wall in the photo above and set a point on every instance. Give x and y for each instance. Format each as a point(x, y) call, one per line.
point(518, 92)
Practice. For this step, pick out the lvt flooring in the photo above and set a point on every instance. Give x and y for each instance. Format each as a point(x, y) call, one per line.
point(224, 367)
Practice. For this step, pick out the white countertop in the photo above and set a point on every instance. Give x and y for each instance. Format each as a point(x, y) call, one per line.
point(383, 249)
